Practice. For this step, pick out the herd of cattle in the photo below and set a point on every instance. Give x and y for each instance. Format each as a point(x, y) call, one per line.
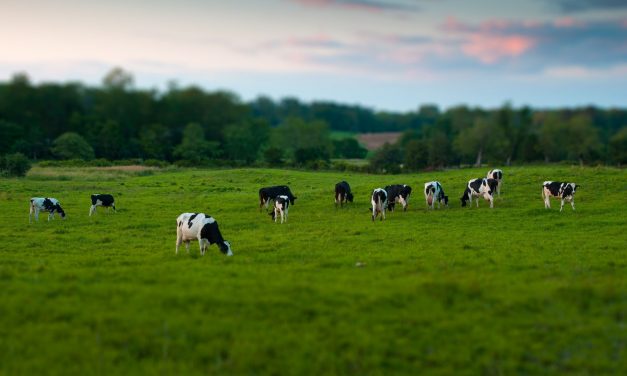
point(199, 226)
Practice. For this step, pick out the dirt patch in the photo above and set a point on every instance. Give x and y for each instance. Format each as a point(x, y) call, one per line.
point(126, 168)
point(374, 141)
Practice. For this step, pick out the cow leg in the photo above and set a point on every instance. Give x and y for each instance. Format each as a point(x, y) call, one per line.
point(382, 214)
point(572, 203)
point(498, 188)
point(562, 206)
point(50, 215)
point(477, 201)
point(491, 202)
point(92, 209)
point(30, 214)
point(187, 246)
point(37, 214)
point(179, 241)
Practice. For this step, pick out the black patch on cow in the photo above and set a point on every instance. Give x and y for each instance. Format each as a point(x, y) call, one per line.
point(48, 205)
point(180, 223)
point(394, 191)
point(492, 184)
point(466, 197)
point(554, 188)
point(475, 185)
point(211, 233)
point(191, 218)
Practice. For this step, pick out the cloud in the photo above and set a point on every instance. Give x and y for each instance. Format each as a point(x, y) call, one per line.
point(573, 6)
point(365, 5)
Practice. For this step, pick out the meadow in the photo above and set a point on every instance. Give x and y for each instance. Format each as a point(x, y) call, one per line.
point(512, 290)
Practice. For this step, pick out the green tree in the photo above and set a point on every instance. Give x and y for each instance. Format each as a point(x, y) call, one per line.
point(16, 164)
point(244, 140)
point(71, 145)
point(297, 134)
point(618, 146)
point(348, 148)
point(483, 139)
point(194, 147)
point(387, 159)
point(416, 155)
point(582, 139)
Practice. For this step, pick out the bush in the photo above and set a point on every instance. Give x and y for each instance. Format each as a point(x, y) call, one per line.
point(16, 164)
point(155, 163)
point(71, 145)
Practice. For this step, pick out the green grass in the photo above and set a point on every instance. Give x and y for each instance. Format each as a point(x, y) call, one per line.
point(513, 290)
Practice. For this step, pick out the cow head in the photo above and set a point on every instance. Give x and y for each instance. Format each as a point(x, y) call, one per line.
point(292, 199)
point(60, 211)
point(349, 197)
point(445, 200)
point(466, 197)
point(225, 247)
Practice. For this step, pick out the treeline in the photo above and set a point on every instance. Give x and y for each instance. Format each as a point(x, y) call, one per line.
point(196, 127)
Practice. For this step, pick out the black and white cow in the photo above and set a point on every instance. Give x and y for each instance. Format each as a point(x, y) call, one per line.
point(270, 193)
point(379, 202)
point(477, 188)
point(433, 193)
point(199, 226)
point(106, 201)
point(497, 175)
point(50, 205)
point(343, 193)
point(559, 190)
point(281, 208)
point(398, 193)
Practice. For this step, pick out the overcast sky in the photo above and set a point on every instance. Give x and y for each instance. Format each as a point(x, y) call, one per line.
point(389, 55)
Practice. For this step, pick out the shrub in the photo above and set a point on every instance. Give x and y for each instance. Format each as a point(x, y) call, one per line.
point(71, 145)
point(16, 164)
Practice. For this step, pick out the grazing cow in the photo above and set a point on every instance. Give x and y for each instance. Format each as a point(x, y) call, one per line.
point(433, 193)
point(106, 201)
point(379, 203)
point(398, 193)
point(51, 205)
point(497, 175)
point(479, 187)
point(270, 193)
point(343, 193)
point(192, 226)
point(281, 207)
point(563, 191)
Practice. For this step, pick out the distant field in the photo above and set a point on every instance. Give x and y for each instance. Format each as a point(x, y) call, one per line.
point(513, 290)
point(374, 141)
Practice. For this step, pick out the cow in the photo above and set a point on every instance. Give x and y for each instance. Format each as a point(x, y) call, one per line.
point(270, 193)
point(497, 175)
point(398, 193)
point(51, 205)
point(379, 203)
point(192, 226)
point(433, 193)
point(106, 201)
point(281, 208)
point(480, 187)
point(563, 191)
point(343, 193)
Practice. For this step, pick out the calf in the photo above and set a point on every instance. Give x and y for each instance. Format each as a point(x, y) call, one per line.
point(270, 193)
point(379, 203)
point(497, 175)
point(563, 191)
point(433, 193)
point(281, 206)
point(398, 193)
point(192, 226)
point(343, 193)
point(51, 205)
point(106, 201)
point(480, 187)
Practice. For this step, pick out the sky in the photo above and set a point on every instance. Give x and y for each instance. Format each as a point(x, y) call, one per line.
point(387, 55)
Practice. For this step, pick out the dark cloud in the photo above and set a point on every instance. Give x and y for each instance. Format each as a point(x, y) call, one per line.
point(572, 6)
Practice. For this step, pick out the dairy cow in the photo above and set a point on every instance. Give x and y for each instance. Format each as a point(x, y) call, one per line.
point(48, 204)
point(559, 190)
point(379, 202)
point(343, 193)
point(398, 193)
point(497, 175)
point(479, 188)
point(433, 193)
point(199, 226)
point(281, 208)
point(106, 201)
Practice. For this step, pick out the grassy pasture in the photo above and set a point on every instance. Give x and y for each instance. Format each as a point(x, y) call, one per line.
point(513, 290)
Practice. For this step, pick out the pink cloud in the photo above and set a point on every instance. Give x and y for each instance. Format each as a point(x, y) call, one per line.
point(567, 22)
point(489, 48)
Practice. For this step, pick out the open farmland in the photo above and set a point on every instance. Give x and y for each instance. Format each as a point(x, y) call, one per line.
point(513, 290)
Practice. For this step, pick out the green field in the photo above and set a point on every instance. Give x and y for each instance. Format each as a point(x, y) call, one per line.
point(513, 290)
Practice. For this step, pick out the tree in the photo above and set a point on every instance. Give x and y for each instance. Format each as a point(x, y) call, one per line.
point(416, 155)
point(16, 164)
point(387, 159)
point(194, 147)
point(582, 139)
point(71, 145)
point(118, 79)
point(348, 148)
point(244, 140)
point(618, 147)
point(297, 134)
point(483, 139)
